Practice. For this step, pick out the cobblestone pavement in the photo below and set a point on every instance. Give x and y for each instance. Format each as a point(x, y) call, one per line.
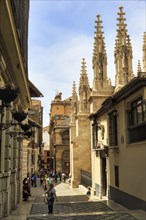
point(112, 216)
point(74, 206)
point(72, 198)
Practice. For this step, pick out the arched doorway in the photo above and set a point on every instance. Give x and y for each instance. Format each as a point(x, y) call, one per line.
point(66, 162)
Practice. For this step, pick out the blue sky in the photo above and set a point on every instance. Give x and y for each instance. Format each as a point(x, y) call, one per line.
point(61, 33)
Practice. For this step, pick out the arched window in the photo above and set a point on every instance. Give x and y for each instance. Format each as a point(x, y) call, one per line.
point(65, 156)
point(65, 137)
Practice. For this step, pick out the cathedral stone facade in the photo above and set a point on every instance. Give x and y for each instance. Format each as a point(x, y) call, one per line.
point(108, 123)
point(59, 134)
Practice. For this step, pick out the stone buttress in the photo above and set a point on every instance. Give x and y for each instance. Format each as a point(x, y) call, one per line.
point(80, 134)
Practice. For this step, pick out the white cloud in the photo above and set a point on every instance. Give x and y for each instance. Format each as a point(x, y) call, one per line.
point(55, 68)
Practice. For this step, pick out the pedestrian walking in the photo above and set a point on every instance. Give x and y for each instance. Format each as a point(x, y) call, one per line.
point(45, 185)
point(63, 177)
point(51, 198)
point(49, 180)
point(55, 177)
point(29, 183)
point(35, 180)
point(41, 180)
point(25, 189)
point(32, 180)
point(59, 174)
point(88, 191)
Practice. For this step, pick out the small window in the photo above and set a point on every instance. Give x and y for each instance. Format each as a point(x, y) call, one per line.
point(113, 134)
point(117, 176)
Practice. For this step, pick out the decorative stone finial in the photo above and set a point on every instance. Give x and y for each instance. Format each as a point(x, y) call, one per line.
point(139, 70)
point(74, 98)
point(144, 52)
point(84, 88)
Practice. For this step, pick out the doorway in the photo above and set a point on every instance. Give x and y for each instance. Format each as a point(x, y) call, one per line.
point(104, 176)
point(66, 162)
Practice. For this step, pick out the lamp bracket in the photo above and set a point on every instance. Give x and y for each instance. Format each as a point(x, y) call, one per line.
point(7, 125)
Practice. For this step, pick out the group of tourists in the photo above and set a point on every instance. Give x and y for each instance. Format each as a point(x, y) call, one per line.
point(47, 180)
point(51, 176)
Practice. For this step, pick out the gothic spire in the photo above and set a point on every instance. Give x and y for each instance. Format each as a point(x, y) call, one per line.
point(74, 98)
point(139, 67)
point(84, 88)
point(99, 58)
point(83, 76)
point(74, 93)
point(139, 70)
point(99, 45)
point(144, 52)
point(123, 53)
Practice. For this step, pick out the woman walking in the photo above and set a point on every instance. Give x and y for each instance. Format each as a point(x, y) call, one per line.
point(51, 197)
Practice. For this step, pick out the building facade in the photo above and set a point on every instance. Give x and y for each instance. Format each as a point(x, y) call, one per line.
point(15, 101)
point(34, 147)
point(118, 130)
point(112, 134)
point(59, 134)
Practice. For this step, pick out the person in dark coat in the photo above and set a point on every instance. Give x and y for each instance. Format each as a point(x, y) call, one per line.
point(25, 189)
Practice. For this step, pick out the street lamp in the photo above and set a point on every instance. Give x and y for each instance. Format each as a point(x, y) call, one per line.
point(7, 95)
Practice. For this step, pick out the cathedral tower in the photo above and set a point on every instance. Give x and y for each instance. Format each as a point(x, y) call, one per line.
point(102, 87)
point(122, 54)
point(99, 59)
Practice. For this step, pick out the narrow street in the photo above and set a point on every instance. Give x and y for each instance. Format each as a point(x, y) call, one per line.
point(72, 204)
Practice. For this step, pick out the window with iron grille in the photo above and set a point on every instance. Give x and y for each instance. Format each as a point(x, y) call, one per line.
point(137, 113)
point(113, 134)
point(117, 176)
point(94, 135)
point(137, 121)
